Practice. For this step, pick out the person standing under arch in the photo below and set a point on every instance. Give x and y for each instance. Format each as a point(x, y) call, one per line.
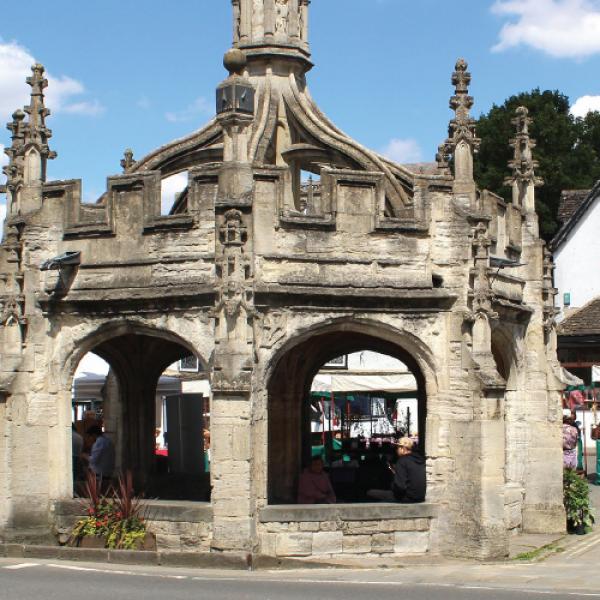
point(102, 456)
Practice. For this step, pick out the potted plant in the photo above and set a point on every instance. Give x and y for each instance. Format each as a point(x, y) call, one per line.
point(576, 497)
point(93, 530)
point(129, 530)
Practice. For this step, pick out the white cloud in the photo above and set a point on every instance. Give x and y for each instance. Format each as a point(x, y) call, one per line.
point(403, 151)
point(15, 67)
point(585, 105)
point(199, 107)
point(90, 108)
point(560, 28)
point(170, 187)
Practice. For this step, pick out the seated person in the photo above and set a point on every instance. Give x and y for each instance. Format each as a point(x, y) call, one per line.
point(373, 473)
point(315, 486)
point(409, 484)
point(344, 460)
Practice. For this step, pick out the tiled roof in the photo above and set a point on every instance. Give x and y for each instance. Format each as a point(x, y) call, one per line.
point(570, 201)
point(578, 214)
point(584, 321)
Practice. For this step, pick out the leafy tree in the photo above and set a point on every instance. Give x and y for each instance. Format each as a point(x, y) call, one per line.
point(568, 149)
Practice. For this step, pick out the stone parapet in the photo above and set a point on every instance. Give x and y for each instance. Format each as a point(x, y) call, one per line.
point(178, 526)
point(363, 529)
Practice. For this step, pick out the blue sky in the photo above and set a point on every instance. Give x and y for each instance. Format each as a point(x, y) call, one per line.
point(127, 73)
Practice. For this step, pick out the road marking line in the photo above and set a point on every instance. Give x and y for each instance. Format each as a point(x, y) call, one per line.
point(305, 580)
point(575, 548)
point(585, 549)
point(456, 586)
point(22, 566)
point(116, 572)
point(581, 548)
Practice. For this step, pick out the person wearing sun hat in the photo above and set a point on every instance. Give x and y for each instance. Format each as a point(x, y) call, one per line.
point(409, 484)
point(409, 473)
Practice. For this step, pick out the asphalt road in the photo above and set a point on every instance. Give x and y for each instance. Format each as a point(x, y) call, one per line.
point(40, 581)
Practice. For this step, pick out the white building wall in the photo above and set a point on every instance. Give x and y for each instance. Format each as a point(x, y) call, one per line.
point(373, 361)
point(578, 261)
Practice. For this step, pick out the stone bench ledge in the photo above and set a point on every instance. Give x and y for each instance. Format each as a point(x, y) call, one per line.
point(158, 510)
point(379, 511)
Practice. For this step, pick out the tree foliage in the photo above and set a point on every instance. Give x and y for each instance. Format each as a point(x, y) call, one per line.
point(568, 150)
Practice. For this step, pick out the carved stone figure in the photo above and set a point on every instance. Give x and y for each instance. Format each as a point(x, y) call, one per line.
point(282, 17)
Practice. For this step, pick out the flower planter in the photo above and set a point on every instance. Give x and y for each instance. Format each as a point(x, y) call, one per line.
point(92, 541)
point(148, 544)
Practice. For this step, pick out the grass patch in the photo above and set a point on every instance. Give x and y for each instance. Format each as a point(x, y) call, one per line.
point(539, 553)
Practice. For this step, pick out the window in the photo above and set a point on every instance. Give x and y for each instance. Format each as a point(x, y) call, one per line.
point(341, 362)
point(189, 364)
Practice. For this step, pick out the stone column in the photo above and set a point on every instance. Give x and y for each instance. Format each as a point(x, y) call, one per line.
point(231, 410)
point(543, 510)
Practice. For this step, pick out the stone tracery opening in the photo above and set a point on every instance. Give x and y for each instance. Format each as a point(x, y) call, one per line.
point(305, 419)
point(151, 396)
point(174, 193)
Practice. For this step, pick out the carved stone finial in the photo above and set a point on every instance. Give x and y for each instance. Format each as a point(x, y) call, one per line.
point(14, 169)
point(462, 127)
point(443, 157)
point(234, 61)
point(35, 132)
point(523, 178)
point(462, 142)
point(127, 162)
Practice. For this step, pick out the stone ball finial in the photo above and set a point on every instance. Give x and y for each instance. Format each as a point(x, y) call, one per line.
point(38, 68)
point(18, 115)
point(522, 111)
point(234, 61)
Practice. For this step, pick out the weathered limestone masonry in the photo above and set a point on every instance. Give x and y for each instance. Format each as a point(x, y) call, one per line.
point(265, 276)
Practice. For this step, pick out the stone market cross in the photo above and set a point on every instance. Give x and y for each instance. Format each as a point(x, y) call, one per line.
point(291, 245)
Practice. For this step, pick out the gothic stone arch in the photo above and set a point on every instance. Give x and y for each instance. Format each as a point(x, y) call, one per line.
point(292, 368)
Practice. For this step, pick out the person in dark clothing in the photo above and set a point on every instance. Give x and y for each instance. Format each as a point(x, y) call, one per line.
point(409, 484)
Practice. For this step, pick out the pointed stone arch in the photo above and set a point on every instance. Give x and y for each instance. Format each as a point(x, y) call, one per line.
point(137, 355)
point(292, 369)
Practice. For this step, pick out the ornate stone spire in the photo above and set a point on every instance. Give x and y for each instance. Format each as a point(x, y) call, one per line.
point(462, 143)
point(14, 169)
point(36, 134)
point(271, 27)
point(523, 179)
point(29, 151)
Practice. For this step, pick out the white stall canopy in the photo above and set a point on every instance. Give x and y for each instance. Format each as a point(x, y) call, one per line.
point(400, 383)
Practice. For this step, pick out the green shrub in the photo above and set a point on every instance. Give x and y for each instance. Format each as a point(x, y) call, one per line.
point(576, 497)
